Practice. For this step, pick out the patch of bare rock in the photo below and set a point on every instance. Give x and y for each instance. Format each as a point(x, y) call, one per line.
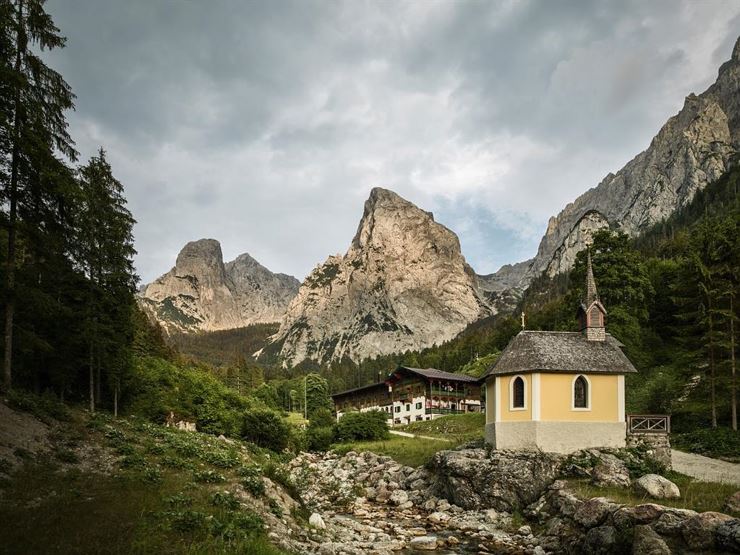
point(472, 501)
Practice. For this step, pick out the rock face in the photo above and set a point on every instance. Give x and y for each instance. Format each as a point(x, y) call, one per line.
point(403, 284)
point(691, 150)
point(505, 481)
point(201, 293)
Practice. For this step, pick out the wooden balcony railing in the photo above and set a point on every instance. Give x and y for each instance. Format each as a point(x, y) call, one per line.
point(648, 424)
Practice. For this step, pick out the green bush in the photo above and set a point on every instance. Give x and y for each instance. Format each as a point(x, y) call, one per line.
point(265, 428)
point(159, 387)
point(364, 426)
point(718, 442)
point(322, 418)
point(45, 407)
point(319, 439)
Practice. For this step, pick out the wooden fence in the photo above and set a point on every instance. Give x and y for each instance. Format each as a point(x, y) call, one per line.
point(648, 424)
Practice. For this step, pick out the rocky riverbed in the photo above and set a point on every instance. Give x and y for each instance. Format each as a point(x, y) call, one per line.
point(476, 501)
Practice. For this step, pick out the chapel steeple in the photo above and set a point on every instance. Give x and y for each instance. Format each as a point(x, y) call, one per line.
point(591, 313)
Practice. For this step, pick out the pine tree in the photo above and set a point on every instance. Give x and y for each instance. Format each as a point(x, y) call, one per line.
point(32, 125)
point(105, 253)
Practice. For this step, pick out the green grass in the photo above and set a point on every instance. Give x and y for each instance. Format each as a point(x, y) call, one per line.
point(159, 501)
point(405, 450)
point(458, 428)
point(695, 495)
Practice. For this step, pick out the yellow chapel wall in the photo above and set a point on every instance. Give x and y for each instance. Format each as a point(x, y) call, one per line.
point(556, 398)
point(516, 415)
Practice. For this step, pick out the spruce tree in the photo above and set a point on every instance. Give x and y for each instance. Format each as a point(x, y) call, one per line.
point(32, 126)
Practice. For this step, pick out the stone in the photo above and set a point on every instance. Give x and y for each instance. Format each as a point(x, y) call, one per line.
point(202, 293)
point(399, 497)
point(317, 521)
point(502, 480)
point(657, 487)
point(403, 284)
point(698, 531)
point(671, 521)
point(593, 512)
point(732, 505)
point(727, 536)
point(647, 542)
point(438, 517)
point(610, 471)
point(524, 530)
point(424, 543)
point(600, 540)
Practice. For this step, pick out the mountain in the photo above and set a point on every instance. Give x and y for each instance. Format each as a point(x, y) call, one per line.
point(403, 284)
point(694, 148)
point(201, 293)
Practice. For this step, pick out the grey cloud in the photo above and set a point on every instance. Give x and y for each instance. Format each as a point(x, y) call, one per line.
point(265, 124)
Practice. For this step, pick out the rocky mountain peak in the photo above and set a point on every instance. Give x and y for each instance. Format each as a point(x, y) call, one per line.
point(201, 293)
point(403, 284)
point(692, 149)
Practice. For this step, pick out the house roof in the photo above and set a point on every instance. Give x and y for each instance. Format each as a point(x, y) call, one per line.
point(363, 389)
point(561, 351)
point(434, 374)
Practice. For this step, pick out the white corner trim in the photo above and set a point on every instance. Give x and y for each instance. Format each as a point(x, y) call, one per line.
point(512, 408)
point(620, 397)
point(573, 394)
point(536, 396)
point(497, 396)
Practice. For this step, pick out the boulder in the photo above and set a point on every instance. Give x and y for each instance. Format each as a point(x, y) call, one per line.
point(424, 543)
point(732, 505)
point(316, 521)
point(593, 512)
point(610, 471)
point(600, 540)
point(647, 542)
point(657, 487)
point(671, 521)
point(399, 497)
point(699, 531)
point(727, 536)
point(502, 480)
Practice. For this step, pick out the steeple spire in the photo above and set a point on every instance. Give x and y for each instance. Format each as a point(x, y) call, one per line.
point(591, 293)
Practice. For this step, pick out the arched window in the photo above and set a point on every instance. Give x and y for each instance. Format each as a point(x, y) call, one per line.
point(517, 393)
point(581, 394)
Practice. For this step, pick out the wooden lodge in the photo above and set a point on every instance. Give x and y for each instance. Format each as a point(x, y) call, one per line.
point(412, 395)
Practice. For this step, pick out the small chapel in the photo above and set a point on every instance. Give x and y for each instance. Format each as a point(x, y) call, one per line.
point(560, 391)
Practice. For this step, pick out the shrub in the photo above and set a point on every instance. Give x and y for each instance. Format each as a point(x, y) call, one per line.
point(46, 407)
point(322, 418)
point(319, 439)
point(719, 442)
point(365, 426)
point(266, 429)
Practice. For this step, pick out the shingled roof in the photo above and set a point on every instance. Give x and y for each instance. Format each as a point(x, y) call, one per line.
point(434, 374)
point(561, 351)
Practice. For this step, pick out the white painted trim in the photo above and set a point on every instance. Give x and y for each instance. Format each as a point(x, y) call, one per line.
point(512, 408)
point(497, 396)
point(535, 396)
point(620, 397)
point(573, 394)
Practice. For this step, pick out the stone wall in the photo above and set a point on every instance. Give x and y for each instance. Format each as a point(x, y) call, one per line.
point(658, 445)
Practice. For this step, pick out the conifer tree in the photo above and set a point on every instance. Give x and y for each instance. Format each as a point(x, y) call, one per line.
point(33, 98)
point(105, 253)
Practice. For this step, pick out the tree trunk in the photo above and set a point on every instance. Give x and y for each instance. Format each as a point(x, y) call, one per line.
point(733, 385)
point(97, 379)
point(92, 379)
point(115, 400)
point(712, 377)
point(13, 214)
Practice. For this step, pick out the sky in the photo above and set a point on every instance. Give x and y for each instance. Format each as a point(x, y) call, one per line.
point(265, 124)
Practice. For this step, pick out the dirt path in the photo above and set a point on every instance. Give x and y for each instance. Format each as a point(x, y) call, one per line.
point(704, 468)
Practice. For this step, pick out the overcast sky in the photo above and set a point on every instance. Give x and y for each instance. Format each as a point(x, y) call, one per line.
point(265, 124)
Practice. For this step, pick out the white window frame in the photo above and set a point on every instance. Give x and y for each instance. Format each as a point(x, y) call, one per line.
point(573, 406)
point(511, 393)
